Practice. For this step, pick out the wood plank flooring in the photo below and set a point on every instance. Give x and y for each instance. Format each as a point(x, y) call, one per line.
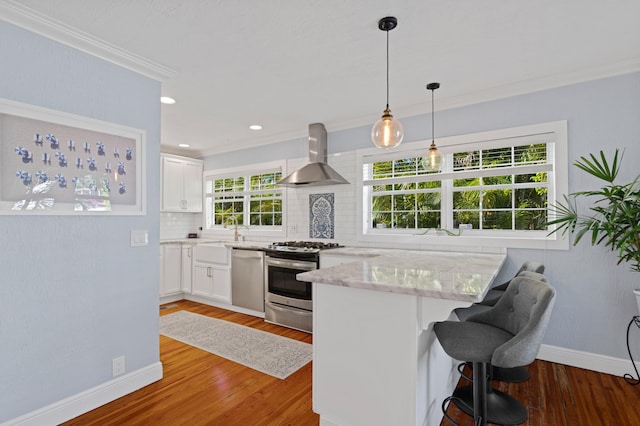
point(559, 395)
point(199, 388)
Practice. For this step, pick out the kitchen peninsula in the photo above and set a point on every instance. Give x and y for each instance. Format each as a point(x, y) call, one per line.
point(376, 360)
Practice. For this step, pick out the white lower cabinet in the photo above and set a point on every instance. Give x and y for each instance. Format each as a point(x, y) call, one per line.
point(212, 272)
point(202, 270)
point(212, 282)
point(187, 266)
point(170, 269)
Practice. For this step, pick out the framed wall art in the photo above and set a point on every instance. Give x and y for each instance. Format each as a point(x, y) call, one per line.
point(58, 163)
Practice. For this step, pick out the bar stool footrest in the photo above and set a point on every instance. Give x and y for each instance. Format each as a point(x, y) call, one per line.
point(502, 408)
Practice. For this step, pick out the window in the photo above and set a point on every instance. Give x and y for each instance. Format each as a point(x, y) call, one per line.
point(403, 195)
point(249, 197)
point(492, 185)
point(507, 188)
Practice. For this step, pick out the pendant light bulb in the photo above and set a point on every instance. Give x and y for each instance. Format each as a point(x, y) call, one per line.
point(433, 159)
point(387, 132)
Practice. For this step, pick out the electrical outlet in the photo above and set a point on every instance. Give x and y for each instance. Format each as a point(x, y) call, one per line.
point(118, 366)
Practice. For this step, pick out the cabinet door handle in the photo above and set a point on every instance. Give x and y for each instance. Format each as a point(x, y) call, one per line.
point(189, 251)
point(209, 271)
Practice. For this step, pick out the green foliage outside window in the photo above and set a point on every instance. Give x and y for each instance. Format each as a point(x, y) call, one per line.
point(504, 201)
point(253, 200)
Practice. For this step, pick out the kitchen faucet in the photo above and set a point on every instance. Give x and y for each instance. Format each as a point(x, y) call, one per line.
point(233, 219)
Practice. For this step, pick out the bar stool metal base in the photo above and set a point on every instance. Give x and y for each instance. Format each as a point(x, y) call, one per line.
point(502, 408)
point(510, 375)
point(500, 374)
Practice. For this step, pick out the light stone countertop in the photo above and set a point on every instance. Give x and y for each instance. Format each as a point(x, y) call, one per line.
point(363, 251)
point(249, 245)
point(445, 275)
point(187, 241)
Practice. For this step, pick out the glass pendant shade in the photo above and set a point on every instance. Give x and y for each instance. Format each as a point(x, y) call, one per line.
point(387, 132)
point(433, 160)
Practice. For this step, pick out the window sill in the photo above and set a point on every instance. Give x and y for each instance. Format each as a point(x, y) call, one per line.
point(247, 233)
point(433, 241)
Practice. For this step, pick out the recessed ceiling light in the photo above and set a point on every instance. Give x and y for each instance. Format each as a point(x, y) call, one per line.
point(167, 100)
point(183, 145)
point(255, 127)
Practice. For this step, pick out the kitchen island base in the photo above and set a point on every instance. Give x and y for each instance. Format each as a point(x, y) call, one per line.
point(376, 360)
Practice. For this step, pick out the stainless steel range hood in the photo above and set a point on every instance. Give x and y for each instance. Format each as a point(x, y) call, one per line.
point(317, 172)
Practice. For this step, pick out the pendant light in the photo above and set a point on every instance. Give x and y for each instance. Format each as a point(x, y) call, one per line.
point(433, 160)
point(387, 132)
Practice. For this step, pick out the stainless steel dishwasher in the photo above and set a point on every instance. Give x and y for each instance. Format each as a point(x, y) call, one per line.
point(247, 279)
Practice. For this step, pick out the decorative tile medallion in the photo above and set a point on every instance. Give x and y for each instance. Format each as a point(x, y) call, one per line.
point(321, 216)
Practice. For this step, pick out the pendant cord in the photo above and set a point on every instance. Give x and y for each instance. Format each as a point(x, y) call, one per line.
point(387, 69)
point(433, 121)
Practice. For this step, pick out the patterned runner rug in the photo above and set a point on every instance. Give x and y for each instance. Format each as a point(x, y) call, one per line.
point(265, 352)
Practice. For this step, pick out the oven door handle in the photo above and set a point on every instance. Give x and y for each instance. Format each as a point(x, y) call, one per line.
point(291, 264)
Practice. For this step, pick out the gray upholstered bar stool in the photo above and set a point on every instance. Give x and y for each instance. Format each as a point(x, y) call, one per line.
point(464, 313)
point(511, 375)
point(496, 292)
point(507, 335)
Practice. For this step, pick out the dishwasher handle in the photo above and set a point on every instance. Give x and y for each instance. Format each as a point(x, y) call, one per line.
point(245, 253)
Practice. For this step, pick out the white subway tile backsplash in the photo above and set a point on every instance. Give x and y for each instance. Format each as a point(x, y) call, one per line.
point(179, 225)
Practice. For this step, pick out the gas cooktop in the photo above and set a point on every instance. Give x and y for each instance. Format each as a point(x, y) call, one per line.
point(302, 246)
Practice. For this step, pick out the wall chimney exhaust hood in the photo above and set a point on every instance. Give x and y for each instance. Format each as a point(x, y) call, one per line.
point(317, 172)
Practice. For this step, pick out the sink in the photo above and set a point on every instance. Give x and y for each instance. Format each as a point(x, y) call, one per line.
point(211, 252)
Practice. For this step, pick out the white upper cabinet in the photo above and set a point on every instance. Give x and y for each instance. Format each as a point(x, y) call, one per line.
point(181, 184)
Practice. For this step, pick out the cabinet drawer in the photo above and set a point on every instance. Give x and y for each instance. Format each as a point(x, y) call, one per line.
point(212, 253)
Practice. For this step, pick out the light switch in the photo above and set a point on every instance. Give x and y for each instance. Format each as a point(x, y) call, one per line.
point(139, 238)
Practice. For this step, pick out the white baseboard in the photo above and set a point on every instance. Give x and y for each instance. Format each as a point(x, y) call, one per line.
point(589, 361)
point(90, 399)
point(172, 298)
point(228, 307)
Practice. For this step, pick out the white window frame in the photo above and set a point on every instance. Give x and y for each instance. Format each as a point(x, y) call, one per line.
point(555, 133)
point(246, 230)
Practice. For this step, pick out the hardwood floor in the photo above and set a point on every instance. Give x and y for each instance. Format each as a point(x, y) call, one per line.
point(199, 388)
point(557, 395)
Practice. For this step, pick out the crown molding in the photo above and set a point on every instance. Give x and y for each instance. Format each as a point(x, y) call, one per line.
point(13, 12)
point(486, 95)
point(255, 142)
point(524, 87)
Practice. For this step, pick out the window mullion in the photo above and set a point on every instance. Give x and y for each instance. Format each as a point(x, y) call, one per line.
point(446, 196)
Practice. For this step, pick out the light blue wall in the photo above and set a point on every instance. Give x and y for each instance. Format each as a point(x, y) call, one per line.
point(73, 294)
point(595, 300)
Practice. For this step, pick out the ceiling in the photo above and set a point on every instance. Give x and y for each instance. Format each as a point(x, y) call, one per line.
point(287, 63)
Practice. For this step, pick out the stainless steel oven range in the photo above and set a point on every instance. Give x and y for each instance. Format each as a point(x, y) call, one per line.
point(288, 302)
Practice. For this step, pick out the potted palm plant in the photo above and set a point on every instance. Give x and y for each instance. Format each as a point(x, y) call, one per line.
point(614, 217)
